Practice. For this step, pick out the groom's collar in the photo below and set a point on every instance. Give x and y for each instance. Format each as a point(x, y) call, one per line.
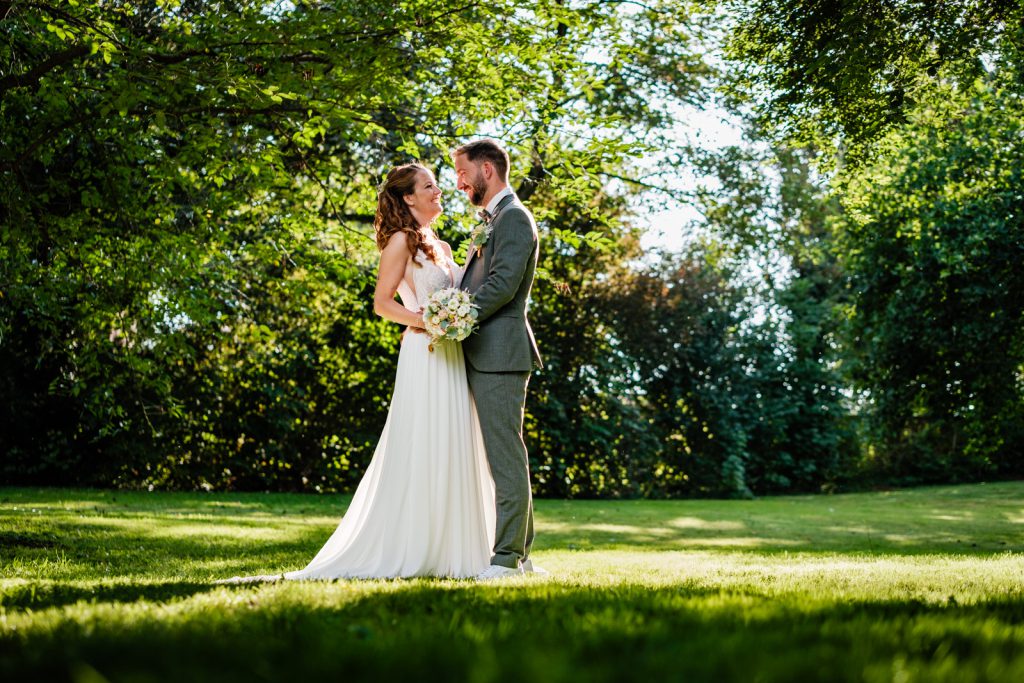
point(492, 206)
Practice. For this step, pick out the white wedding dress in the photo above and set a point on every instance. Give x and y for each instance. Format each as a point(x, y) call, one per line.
point(425, 506)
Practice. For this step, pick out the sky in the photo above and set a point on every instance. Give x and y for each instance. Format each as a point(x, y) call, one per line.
point(714, 128)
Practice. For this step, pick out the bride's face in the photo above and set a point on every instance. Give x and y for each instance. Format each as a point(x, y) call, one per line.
point(425, 199)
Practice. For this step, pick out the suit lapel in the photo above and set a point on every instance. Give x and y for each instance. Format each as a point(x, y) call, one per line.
point(469, 260)
point(501, 205)
point(506, 200)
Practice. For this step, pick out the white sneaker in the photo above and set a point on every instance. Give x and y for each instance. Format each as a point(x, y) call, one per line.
point(496, 571)
point(530, 568)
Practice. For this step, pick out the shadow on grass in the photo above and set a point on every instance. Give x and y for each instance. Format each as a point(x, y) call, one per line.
point(128, 502)
point(543, 632)
point(111, 549)
point(39, 596)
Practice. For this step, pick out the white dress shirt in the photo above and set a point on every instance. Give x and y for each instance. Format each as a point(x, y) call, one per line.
point(496, 199)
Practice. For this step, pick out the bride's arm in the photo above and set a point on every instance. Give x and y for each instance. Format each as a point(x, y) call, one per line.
point(393, 261)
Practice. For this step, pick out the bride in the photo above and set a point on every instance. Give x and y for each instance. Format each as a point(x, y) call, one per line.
point(425, 505)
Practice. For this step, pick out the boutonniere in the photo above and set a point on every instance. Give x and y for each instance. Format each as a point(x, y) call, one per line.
point(478, 238)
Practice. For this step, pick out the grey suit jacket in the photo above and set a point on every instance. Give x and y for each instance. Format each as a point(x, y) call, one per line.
point(500, 279)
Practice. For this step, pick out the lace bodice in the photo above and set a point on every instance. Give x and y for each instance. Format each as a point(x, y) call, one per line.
point(428, 279)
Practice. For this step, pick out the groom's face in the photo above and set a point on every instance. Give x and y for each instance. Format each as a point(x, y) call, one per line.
point(470, 179)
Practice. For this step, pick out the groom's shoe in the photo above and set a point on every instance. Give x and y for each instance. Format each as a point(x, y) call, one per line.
point(530, 568)
point(496, 571)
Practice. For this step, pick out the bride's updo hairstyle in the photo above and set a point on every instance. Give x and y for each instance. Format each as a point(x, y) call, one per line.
point(393, 214)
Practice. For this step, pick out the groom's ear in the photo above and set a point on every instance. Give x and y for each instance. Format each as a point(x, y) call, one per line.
point(488, 169)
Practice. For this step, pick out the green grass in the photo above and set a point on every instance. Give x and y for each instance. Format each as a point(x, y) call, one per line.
point(924, 584)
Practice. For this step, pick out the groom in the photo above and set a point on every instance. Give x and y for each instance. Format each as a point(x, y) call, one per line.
point(502, 353)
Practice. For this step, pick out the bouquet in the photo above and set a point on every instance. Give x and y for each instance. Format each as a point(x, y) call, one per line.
point(449, 315)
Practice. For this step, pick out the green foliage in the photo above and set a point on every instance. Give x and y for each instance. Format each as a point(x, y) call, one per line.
point(923, 583)
point(934, 244)
point(186, 191)
point(186, 197)
point(584, 429)
point(920, 126)
point(665, 383)
point(823, 73)
point(764, 390)
point(678, 375)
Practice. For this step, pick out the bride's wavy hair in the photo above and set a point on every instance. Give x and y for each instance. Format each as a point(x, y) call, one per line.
point(393, 214)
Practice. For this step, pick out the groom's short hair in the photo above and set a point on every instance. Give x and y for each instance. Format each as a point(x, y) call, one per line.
point(486, 149)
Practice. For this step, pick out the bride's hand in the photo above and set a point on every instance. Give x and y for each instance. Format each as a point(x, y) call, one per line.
point(416, 328)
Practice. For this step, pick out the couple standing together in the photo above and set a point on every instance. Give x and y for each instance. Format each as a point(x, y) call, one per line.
point(447, 492)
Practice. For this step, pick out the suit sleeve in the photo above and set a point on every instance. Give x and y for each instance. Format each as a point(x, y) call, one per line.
point(514, 243)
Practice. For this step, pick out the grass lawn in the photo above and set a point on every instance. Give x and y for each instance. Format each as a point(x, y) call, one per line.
point(924, 584)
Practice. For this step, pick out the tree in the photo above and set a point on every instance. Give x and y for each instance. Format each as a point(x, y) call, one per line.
point(837, 75)
point(933, 243)
point(913, 105)
point(775, 382)
point(187, 190)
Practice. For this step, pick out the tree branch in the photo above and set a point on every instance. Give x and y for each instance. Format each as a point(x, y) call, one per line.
point(33, 75)
point(336, 214)
point(681, 197)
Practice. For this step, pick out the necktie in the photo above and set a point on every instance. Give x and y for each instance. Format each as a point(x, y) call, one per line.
point(484, 215)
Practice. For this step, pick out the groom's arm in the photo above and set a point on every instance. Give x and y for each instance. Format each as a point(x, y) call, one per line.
point(513, 246)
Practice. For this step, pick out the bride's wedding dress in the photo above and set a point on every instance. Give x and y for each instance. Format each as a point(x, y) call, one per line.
point(425, 506)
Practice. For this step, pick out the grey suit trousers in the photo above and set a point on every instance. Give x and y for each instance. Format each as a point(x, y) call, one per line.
point(502, 430)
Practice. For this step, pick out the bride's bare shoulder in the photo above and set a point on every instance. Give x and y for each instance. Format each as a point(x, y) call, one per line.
point(398, 240)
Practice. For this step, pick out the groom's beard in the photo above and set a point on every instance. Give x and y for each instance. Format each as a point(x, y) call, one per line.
point(477, 192)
